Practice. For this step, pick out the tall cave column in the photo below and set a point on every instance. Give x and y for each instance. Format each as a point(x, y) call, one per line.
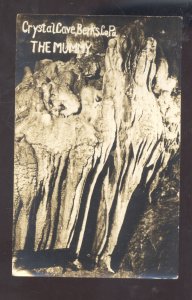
point(137, 142)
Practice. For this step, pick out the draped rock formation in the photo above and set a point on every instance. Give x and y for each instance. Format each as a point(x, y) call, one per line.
point(91, 130)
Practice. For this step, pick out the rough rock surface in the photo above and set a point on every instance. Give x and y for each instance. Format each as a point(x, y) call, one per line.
point(86, 140)
point(153, 246)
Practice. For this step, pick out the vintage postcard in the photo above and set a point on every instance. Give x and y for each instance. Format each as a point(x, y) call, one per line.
point(97, 146)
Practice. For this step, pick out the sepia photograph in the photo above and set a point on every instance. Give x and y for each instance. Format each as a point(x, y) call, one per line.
point(97, 146)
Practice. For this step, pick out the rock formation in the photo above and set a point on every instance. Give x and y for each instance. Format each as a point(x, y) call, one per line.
point(92, 129)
